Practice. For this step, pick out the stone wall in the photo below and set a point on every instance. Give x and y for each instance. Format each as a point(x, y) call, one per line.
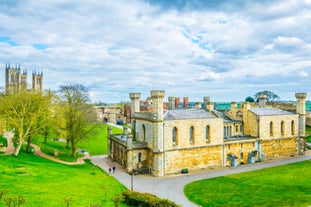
point(279, 147)
point(193, 159)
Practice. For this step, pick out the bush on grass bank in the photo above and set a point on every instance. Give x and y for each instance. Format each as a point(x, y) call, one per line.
point(146, 200)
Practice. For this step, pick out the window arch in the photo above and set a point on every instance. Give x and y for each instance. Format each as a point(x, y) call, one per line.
point(293, 127)
point(207, 133)
point(144, 132)
point(282, 127)
point(191, 134)
point(271, 128)
point(174, 135)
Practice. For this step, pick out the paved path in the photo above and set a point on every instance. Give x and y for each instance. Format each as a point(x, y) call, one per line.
point(41, 154)
point(171, 187)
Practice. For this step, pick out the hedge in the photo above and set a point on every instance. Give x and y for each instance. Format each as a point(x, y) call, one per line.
point(133, 198)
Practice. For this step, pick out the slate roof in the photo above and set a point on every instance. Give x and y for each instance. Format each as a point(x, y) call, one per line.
point(187, 114)
point(269, 111)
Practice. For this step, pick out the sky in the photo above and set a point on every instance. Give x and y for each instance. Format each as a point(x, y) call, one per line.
point(227, 50)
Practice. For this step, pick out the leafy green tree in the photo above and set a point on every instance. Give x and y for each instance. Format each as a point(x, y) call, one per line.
point(80, 116)
point(271, 97)
point(27, 113)
point(250, 99)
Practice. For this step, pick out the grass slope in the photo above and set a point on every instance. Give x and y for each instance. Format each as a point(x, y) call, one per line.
point(45, 183)
point(287, 185)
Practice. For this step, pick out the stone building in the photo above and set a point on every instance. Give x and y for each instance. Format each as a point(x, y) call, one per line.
point(15, 80)
point(110, 114)
point(172, 141)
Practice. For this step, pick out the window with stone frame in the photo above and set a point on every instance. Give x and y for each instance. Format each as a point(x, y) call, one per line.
point(271, 128)
point(293, 127)
point(174, 135)
point(191, 135)
point(207, 133)
point(282, 127)
point(144, 132)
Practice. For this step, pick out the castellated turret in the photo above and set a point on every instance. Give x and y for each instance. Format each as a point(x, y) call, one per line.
point(157, 97)
point(135, 98)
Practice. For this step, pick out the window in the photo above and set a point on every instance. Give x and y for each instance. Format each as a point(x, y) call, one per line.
point(241, 155)
point(191, 136)
point(139, 157)
point(174, 135)
point(236, 129)
point(271, 128)
point(144, 132)
point(207, 133)
point(293, 127)
point(282, 127)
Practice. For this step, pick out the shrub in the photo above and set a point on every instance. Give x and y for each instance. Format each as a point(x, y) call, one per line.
point(146, 200)
point(4, 141)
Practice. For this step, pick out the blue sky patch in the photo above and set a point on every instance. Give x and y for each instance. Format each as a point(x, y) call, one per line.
point(8, 40)
point(40, 46)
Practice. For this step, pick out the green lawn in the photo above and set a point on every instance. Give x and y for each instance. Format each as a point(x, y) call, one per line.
point(45, 183)
point(288, 185)
point(98, 144)
point(95, 144)
point(308, 133)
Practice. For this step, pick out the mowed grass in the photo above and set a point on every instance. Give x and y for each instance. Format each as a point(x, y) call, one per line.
point(95, 144)
point(45, 183)
point(288, 185)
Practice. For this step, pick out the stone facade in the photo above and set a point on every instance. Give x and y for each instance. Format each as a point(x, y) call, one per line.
point(167, 141)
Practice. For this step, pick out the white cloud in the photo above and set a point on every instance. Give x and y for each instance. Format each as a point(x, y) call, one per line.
point(117, 47)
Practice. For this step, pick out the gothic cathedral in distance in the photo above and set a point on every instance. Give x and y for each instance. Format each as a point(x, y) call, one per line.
point(15, 80)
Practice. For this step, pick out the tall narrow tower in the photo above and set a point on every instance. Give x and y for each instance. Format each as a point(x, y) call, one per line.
point(37, 80)
point(15, 81)
point(301, 110)
point(158, 127)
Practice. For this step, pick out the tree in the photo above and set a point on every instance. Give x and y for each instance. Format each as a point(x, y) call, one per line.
point(27, 113)
point(80, 116)
point(271, 97)
point(250, 99)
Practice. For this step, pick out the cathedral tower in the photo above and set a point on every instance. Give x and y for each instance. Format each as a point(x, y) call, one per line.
point(15, 80)
point(37, 80)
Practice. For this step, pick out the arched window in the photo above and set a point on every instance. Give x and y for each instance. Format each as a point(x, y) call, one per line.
point(293, 127)
point(191, 135)
point(144, 132)
point(282, 127)
point(271, 128)
point(139, 157)
point(207, 133)
point(174, 135)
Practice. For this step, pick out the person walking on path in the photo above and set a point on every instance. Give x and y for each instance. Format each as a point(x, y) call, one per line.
point(110, 171)
point(113, 169)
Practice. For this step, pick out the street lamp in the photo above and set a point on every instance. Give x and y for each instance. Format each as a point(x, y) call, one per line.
point(132, 174)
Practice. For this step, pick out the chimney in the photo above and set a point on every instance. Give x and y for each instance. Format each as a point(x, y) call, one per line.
point(171, 103)
point(197, 105)
point(185, 102)
point(210, 106)
point(262, 99)
point(206, 100)
point(177, 101)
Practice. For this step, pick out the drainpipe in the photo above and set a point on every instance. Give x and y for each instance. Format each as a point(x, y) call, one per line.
point(164, 149)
